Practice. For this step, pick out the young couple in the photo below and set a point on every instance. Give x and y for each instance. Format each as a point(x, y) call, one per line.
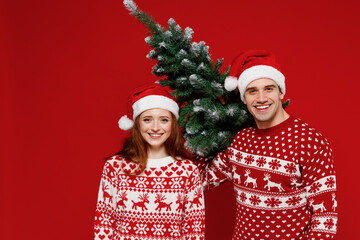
point(282, 169)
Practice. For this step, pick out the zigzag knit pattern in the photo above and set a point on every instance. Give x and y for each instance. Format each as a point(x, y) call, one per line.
point(164, 202)
point(284, 182)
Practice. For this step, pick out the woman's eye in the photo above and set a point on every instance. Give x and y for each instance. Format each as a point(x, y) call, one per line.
point(146, 119)
point(164, 120)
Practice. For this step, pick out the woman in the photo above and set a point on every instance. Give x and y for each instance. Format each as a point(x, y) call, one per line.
point(150, 190)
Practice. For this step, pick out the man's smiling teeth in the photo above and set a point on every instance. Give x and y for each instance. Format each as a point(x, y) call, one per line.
point(262, 107)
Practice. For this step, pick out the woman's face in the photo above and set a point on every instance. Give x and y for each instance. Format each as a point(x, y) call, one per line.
point(155, 126)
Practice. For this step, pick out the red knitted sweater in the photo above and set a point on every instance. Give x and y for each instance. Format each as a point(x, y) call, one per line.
point(284, 182)
point(164, 202)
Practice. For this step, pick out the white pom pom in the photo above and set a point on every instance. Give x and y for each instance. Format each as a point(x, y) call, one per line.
point(125, 123)
point(231, 83)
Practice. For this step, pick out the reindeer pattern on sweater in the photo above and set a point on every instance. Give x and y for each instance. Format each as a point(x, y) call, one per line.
point(284, 182)
point(164, 202)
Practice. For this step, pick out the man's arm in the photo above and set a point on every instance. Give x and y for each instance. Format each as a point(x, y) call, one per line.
point(320, 184)
point(216, 171)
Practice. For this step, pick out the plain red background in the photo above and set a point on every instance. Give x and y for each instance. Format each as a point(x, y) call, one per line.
point(68, 65)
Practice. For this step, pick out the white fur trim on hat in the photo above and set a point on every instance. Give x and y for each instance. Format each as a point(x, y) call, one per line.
point(155, 101)
point(231, 83)
point(125, 123)
point(260, 71)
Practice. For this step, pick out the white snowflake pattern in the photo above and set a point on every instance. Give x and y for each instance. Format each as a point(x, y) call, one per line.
point(177, 182)
point(186, 227)
point(125, 228)
point(123, 181)
point(197, 226)
point(158, 182)
point(141, 182)
point(141, 228)
point(158, 229)
point(175, 231)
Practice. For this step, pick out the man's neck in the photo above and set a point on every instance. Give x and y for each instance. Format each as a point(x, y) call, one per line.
point(273, 122)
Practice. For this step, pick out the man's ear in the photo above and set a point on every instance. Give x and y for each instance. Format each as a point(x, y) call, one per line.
point(281, 96)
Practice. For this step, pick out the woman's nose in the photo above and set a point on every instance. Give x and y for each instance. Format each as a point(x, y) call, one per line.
point(155, 126)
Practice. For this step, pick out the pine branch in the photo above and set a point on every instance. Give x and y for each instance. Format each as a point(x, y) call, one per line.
point(145, 19)
point(209, 115)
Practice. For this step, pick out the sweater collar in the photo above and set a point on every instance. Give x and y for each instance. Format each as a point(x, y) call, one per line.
point(159, 162)
point(275, 129)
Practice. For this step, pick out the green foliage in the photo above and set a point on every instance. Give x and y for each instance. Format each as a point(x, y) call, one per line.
point(209, 115)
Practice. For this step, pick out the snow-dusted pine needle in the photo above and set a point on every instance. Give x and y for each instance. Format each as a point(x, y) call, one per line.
point(185, 62)
point(188, 33)
point(130, 5)
point(148, 39)
point(201, 67)
point(181, 53)
point(171, 22)
point(151, 54)
point(168, 34)
point(162, 44)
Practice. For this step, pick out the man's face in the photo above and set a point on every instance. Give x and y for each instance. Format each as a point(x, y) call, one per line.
point(263, 100)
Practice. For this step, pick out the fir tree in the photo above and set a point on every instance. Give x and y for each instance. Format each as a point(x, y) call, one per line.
point(210, 116)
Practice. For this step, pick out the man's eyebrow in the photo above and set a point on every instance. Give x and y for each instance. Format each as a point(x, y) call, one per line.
point(254, 88)
point(250, 88)
point(271, 85)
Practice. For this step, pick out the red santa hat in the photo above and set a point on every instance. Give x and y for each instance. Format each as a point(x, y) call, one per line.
point(144, 98)
point(252, 65)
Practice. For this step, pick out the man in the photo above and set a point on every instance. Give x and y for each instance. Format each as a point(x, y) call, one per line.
point(282, 168)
